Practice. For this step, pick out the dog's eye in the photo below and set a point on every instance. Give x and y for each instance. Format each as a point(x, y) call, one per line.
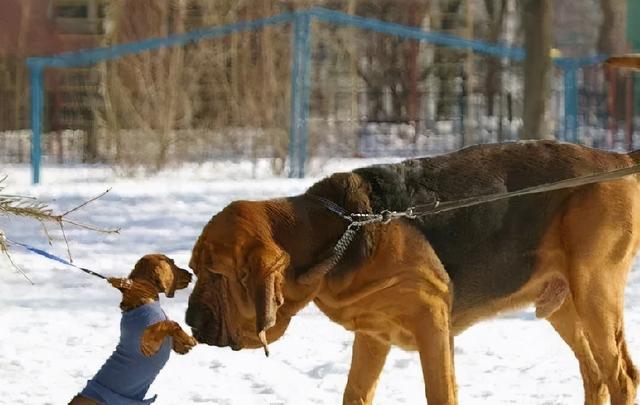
point(244, 280)
point(222, 271)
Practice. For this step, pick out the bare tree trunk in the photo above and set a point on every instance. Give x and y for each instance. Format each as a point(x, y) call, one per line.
point(20, 87)
point(611, 38)
point(496, 12)
point(411, 63)
point(173, 73)
point(447, 60)
point(469, 136)
point(611, 41)
point(109, 120)
point(536, 20)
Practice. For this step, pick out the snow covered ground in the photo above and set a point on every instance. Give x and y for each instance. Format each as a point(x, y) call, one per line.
point(54, 335)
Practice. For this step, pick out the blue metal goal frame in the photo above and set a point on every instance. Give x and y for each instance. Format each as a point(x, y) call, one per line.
point(300, 68)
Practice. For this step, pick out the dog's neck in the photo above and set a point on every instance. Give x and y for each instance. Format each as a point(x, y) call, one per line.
point(307, 231)
point(140, 292)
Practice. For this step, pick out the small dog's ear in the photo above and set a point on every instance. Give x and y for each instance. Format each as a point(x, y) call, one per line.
point(163, 278)
point(156, 270)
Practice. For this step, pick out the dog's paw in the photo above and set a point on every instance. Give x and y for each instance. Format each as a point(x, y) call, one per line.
point(183, 346)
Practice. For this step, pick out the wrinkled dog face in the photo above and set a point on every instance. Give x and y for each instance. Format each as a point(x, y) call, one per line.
point(240, 274)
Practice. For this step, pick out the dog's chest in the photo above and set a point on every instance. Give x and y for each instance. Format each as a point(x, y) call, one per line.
point(365, 318)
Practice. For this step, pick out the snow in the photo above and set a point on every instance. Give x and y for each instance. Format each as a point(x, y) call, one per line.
point(56, 334)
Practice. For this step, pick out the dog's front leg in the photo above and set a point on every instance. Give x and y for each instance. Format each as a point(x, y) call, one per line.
point(155, 334)
point(369, 355)
point(435, 344)
point(182, 342)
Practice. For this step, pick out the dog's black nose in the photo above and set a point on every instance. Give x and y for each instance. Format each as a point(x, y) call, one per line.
point(194, 316)
point(199, 317)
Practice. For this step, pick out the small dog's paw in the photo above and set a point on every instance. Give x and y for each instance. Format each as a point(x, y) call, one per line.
point(183, 346)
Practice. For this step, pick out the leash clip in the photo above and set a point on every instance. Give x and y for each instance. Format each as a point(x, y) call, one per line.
point(409, 213)
point(386, 216)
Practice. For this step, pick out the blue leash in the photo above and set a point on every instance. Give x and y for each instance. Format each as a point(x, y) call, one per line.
point(55, 258)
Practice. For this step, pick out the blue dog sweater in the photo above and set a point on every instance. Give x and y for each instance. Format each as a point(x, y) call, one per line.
point(126, 376)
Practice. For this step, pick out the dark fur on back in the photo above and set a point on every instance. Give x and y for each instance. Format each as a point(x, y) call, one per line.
point(495, 242)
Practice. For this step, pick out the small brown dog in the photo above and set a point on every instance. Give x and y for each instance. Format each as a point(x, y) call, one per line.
point(143, 350)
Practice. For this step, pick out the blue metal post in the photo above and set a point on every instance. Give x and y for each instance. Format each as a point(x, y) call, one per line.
point(570, 105)
point(36, 120)
point(300, 69)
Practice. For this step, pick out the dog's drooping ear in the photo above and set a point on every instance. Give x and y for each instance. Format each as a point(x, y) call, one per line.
point(200, 256)
point(165, 279)
point(270, 265)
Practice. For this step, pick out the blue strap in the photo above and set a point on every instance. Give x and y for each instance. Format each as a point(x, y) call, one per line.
point(55, 258)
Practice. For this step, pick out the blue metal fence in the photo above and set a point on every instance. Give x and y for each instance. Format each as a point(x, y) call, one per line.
point(300, 68)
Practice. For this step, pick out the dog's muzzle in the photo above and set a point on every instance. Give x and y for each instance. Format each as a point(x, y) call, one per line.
point(207, 327)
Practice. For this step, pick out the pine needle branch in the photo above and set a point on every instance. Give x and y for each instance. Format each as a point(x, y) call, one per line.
point(32, 208)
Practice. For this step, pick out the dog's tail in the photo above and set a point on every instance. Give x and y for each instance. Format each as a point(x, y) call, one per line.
point(635, 156)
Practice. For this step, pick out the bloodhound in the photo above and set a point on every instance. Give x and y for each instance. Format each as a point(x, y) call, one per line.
point(417, 283)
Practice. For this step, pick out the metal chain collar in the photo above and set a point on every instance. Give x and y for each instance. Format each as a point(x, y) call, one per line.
point(357, 221)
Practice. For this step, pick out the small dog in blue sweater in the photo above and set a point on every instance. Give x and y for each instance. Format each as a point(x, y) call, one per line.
point(146, 335)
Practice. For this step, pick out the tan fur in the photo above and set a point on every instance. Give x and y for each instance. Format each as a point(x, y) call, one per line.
point(401, 295)
point(630, 61)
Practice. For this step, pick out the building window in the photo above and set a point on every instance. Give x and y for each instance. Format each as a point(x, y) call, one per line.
point(79, 16)
point(72, 11)
point(102, 10)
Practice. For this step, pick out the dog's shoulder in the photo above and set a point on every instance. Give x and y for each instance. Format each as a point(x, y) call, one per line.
point(348, 190)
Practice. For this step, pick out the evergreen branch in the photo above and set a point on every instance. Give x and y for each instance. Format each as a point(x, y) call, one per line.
point(32, 208)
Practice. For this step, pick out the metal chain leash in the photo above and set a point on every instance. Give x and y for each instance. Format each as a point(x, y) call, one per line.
point(358, 220)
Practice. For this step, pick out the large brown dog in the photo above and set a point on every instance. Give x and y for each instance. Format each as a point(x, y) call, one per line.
point(417, 283)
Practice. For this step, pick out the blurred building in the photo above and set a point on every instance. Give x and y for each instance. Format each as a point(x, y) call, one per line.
point(40, 28)
point(633, 28)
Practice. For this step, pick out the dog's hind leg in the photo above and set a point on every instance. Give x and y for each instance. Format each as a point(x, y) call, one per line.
point(601, 231)
point(606, 338)
point(367, 361)
point(631, 369)
point(566, 322)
